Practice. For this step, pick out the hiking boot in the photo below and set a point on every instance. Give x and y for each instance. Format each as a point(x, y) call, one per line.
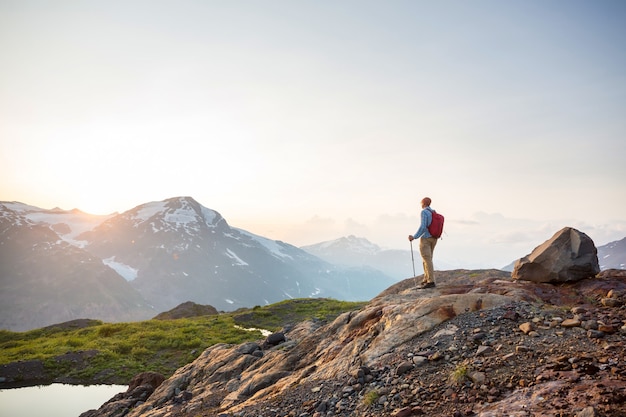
point(426, 285)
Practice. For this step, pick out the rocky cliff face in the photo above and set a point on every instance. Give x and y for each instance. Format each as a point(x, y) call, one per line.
point(477, 344)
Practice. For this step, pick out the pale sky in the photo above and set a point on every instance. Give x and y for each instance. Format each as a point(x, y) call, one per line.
point(306, 121)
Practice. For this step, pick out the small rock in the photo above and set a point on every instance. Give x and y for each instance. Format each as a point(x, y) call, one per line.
point(403, 368)
point(613, 294)
point(477, 378)
point(403, 412)
point(248, 348)
point(570, 323)
point(589, 324)
point(322, 407)
point(477, 337)
point(483, 350)
point(275, 339)
point(604, 328)
point(526, 327)
point(587, 412)
point(511, 315)
point(611, 302)
point(347, 390)
point(595, 334)
point(153, 379)
point(419, 360)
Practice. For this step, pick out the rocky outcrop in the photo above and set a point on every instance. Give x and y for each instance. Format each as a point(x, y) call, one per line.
point(569, 255)
point(186, 310)
point(139, 389)
point(154, 379)
point(479, 344)
point(396, 344)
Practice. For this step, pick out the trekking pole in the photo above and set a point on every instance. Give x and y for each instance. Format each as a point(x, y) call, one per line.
point(413, 261)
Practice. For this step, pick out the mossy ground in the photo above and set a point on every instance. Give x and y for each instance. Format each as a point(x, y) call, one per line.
point(126, 349)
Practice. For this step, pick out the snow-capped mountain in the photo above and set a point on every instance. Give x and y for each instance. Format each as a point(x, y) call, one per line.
point(177, 250)
point(66, 223)
point(613, 255)
point(44, 279)
point(164, 253)
point(359, 252)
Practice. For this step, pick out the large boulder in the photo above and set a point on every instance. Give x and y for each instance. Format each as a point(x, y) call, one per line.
point(569, 255)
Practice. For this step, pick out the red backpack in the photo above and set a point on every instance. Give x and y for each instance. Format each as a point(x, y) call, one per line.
point(436, 225)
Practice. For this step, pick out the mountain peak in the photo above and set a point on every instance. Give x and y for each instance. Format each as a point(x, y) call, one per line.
point(350, 243)
point(174, 214)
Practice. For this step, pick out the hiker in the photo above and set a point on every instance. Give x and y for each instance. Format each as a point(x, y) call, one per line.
point(427, 244)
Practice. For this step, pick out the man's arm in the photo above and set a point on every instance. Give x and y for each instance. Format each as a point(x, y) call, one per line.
point(423, 225)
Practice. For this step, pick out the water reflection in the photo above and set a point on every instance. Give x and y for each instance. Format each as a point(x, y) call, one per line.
point(56, 400)
point(251, 329)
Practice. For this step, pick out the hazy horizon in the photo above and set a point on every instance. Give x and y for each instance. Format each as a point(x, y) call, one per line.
point(309, 121)
point(456, 252)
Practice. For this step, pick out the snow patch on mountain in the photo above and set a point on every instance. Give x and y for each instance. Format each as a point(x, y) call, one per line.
point(237, 259)
point(274, 247)
point(148, 210)
point(126, 271)
point(175, 214)
point(209, 216)
point(66, 223)
point(181, 216)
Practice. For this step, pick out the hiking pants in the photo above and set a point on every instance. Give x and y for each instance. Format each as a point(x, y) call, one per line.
point(427, 247)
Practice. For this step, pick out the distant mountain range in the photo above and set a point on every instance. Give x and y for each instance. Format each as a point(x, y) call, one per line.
point(45, 279)
point(58, 265)
point(356, 251)
point(359, 252)
point(613, 255)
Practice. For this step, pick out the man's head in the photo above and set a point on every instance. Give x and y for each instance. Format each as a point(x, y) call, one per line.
point(426, 202)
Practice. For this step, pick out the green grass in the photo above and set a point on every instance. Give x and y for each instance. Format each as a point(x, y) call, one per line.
point(275, 316)
point(126, 349)
point(370, 398)
point(459, 374)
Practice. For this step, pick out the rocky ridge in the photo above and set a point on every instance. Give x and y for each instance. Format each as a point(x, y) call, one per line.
point(479, 344)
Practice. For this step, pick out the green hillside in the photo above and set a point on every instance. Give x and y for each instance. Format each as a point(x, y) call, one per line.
point(97, 352)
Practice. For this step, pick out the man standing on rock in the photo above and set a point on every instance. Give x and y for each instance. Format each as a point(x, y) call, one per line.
point(427, 244)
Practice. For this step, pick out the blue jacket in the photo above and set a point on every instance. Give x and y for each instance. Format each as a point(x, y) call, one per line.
point(427, 218)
